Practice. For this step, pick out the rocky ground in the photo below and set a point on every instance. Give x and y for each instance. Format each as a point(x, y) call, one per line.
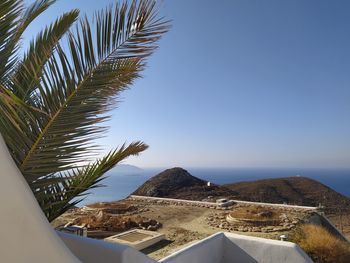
point(181, 223)
point(265, 220)
point(105, 219)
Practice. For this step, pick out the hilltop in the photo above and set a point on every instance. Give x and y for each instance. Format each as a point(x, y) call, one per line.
point(180, 184)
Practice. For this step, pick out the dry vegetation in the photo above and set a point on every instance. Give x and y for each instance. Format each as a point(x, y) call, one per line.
point(322, 246)
point(255, 213)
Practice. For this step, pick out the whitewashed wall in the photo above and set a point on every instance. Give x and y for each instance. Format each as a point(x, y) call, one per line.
point(26, 235)
point(233, 248)
point(90, 250)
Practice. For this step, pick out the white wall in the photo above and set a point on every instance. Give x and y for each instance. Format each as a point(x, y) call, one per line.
point(25, 234)
point(262, 250)
point(233, 248)
point(90, 250)
point(208, 250)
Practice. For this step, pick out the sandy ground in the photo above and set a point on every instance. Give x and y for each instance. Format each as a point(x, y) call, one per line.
point(185, 224)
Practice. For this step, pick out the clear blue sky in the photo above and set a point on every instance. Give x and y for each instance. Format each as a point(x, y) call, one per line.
point(240, 83)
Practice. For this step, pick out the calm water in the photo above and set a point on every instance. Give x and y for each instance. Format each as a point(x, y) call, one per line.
point(120, 184)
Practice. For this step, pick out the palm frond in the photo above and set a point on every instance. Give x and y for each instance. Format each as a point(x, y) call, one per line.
point(32, 12)
point(54, 101)
point(15, 23)
point(72, 185)
point(29, 70)
point(14, 119)
point(79, 86)
point(10, 10)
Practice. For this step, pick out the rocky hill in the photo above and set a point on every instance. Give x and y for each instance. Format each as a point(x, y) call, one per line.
point(180, 184)
point(290, 190)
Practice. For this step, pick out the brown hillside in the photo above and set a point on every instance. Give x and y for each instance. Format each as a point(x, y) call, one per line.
point(180, 184)
point(291, 190)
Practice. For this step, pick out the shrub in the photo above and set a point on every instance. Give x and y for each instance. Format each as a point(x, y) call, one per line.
point(321, 245)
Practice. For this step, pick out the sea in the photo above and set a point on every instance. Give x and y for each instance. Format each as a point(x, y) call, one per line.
point(121, 183)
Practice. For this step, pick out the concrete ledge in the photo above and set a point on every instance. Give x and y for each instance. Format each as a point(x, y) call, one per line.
point(276, 205)
point(90, 250)
point(234, 248)
point(208, 250)
point(263, 250)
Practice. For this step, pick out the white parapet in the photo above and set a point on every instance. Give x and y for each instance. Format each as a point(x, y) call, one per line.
point(220, 204)
point(26, 235)
point(90, 250)
point(232, 248)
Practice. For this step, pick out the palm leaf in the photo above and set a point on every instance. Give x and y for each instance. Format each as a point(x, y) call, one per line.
point(57, 97)
point(29, 71)
point(15, 22)
point(10, 10)
point(77, 90)
point(72, 185)
point(14, 118)
point(32, 12)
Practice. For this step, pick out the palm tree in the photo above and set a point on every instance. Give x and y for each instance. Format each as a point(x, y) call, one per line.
point(54, 98)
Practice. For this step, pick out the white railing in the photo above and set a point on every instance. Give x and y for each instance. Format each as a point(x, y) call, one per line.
point(212, 204)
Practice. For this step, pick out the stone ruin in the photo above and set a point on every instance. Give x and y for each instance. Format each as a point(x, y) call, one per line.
point(252, 218)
